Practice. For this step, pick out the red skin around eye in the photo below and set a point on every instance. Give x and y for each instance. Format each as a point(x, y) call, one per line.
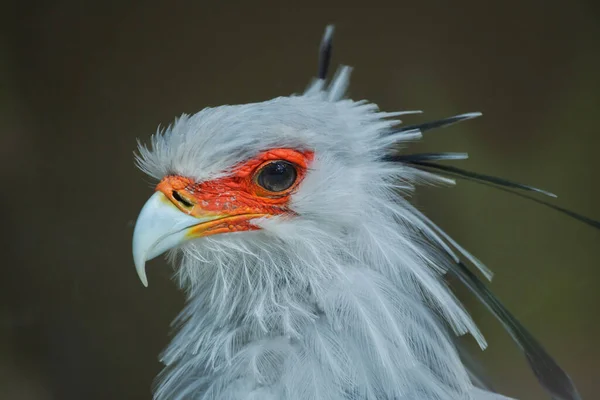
point(238, 193)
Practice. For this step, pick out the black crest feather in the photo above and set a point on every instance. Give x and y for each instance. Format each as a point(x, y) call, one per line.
point(325, 52)
point(550, 375)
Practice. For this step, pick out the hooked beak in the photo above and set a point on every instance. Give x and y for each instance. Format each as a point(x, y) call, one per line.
point(162, 226)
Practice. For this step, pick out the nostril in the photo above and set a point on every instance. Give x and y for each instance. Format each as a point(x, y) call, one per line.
point(179, 198)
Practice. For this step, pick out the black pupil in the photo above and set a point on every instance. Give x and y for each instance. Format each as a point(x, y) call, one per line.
point(277, 176)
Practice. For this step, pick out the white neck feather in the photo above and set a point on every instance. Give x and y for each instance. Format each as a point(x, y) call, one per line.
point(271, 317)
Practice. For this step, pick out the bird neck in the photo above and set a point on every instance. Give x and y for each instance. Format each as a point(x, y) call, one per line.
point(354, 318)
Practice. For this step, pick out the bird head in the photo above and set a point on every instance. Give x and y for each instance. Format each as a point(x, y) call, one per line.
point(264, 176)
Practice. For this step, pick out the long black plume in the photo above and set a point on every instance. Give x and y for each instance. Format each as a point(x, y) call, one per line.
point(503, 184)
point(440, 123)
point(424, 161)
point(421, 157)
point(325, 52)
point(461, 173)
point(550, 375)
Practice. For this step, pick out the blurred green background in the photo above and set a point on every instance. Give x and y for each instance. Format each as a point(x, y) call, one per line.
point(81, 80)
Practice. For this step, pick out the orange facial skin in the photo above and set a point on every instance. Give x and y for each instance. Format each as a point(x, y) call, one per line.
point(231, 202)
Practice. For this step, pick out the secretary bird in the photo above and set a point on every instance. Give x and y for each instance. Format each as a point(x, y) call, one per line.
point(307, 271)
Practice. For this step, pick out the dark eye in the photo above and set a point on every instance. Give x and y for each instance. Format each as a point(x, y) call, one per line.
point(277, 176)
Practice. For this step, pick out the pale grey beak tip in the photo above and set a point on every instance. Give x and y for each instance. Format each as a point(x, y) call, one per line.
point(160, 226)
point(142, 275)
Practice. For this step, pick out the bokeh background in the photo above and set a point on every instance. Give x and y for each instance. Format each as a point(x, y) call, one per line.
point(81, 80)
